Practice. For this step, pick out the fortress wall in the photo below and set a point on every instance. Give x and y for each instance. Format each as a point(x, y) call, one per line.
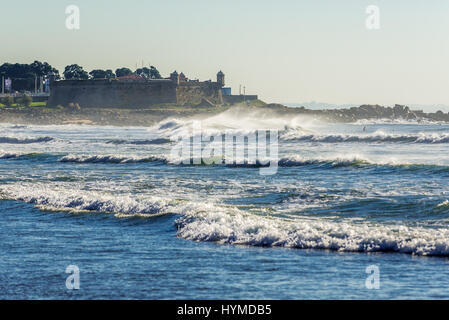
point(113, 93)
point(238, 98)
point(105, 93)
point(193, 93)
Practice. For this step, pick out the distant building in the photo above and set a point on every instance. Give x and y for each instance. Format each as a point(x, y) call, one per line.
point(131, 78)
point(226, 91)
point(137, 91)
point(221, 78)
point(182, 77)
point(174, 76)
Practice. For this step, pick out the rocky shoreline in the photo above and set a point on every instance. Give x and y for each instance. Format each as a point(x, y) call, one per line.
point(149, 116)
point(364, 112)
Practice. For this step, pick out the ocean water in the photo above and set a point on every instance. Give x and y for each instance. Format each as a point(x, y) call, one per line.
point(116, 203)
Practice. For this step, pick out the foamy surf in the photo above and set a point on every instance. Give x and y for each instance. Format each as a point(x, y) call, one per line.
point(8, 155)
point(290, 130)
point(238, 228)
point(214, 222)
point(78, 201)
point(26, 156)
point(444, 204)
point(379, 136)
point(24, 140)
point(237, 121)
point(113, 159)
point(335, 162)
point(141, 142)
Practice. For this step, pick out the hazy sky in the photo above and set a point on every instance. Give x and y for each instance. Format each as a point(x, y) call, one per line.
point(284, 50)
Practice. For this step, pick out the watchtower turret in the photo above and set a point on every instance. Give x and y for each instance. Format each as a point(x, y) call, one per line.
point(174, 76)
point(221, 78)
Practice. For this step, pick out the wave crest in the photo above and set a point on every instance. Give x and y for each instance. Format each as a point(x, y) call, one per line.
point(239, 228)
point(24, 140)
point(141, 142)
point(379, 136)
point(117, 159)
point(65, 200)
point(208, 221)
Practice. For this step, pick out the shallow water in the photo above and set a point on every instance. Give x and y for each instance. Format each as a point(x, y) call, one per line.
point(138, 224)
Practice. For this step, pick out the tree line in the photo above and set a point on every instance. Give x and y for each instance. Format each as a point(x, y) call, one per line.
point(75, 71)
point(23, 75)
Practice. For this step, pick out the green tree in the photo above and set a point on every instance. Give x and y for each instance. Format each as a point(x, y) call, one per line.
point(142, 72)
point(110, 74)
point(23, 75)
point(150, 73)
point(43, 69)
point(75, 71)
point(154, 73)
point(102, 74)
point(98, 74)
point(121, 72)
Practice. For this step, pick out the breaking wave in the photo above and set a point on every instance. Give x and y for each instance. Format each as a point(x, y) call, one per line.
point(286, 161)
point(23, 140)
point(172, 130)
point(117, 159)
point(239, 228)
point(299, 161)
point(141, 142)
point(82, 201)
point(25, 156)
point(444, 204)
point(9, 155)
point(370, 138)
point(243, 123)
point(208, 221)
point(348, 161)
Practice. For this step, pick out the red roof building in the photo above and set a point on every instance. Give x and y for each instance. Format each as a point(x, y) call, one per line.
point(131, 78)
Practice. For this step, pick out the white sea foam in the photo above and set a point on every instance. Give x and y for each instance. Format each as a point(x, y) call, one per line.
point(213, 221)
point(237, 121)
point(444, 204)
point(346, 160)
point(9, 155)
point(333, 161)
point(24, 140)
point(398, 121)
point(118, 159)
point(296, 129)
point(141, 142)
point(207, 221)
point(235, 227)
point(378, 136)
point(81, 201)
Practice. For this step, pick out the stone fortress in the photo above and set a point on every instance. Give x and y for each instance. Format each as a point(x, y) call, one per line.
point(136, 91)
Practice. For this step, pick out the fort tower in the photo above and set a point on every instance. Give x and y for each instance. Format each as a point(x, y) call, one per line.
point(221, 78)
